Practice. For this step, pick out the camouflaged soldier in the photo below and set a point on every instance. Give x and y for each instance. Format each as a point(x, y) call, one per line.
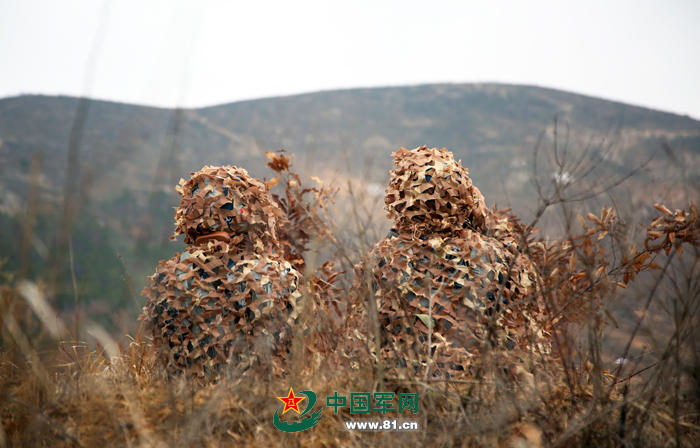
point(230, 296)
point(450, 270)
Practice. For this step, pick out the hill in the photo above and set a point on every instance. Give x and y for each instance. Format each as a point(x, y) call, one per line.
point(130, 157)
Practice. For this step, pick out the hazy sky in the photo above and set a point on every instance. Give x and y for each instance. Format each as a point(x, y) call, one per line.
point(195, 53)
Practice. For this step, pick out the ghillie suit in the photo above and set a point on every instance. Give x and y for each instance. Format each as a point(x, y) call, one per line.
point(230, 296)
point(449, 279)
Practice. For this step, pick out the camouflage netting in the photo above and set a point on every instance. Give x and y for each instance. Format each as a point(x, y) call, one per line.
point(450, 271)
point(226, 199)
point(431, 194)
point(230, 296)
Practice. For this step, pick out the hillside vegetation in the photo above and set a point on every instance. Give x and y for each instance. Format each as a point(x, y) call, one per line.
point(125, 161)
point(58, 391)
point(87, 212)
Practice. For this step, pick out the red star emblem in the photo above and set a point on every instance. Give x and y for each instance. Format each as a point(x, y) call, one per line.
point(291, 401)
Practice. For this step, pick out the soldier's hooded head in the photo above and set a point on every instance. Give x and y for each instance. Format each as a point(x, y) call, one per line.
point(225, 203)
point(429, 192)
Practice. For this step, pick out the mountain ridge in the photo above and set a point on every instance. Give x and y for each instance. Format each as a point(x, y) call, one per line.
point(131, 157)
point(356, 89)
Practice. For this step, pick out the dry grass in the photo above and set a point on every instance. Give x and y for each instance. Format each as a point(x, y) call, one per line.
point(77, 396)
point(56, 392)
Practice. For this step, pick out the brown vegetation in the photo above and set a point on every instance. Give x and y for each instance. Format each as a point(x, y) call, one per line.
point(58, 392)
